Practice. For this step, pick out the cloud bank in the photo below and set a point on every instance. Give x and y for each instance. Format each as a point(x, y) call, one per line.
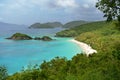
point(66, 3)
point(30, 11)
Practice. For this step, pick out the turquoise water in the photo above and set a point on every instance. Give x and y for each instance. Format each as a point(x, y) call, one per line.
point(17, 54)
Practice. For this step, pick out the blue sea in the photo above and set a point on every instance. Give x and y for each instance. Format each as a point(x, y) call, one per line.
point(17, 54)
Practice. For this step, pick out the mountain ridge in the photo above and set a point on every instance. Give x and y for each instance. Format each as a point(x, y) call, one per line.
point(70, 24)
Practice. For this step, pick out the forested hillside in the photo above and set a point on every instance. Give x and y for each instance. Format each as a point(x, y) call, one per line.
point(81, 29)
point(73, 24)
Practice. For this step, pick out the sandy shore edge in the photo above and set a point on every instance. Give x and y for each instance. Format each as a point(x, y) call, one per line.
point(85, 47)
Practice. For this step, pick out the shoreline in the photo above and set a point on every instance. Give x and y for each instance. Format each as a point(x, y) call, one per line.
point(86, 49)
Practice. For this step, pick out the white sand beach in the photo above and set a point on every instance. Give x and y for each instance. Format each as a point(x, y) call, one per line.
point(86, 48)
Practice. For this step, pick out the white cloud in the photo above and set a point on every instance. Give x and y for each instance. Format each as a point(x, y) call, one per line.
point(24, 4)
point(66, 3)
point(32, 10)
point(22, 7)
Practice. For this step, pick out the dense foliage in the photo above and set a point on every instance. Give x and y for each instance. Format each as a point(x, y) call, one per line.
point(105, 65)
point(81, 29)
point(3, 73)
point(111, 8)
point(73, 24)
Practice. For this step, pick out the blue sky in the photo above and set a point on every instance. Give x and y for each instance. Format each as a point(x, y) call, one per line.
point(31, 11)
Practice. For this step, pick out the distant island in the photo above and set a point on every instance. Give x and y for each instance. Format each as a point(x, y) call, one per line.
point(46, 25)
point(57, 24)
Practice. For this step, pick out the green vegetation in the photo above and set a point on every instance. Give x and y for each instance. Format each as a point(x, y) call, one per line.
point(103, 40)
point(46, 38)
point(58, 24)
point(67, 33)
point(20, 36)
point(38, 25)
point(105, 65)
point(110, 8)
point(74, 24)
point(3, 73)
point(81, 29)
point(46, 25)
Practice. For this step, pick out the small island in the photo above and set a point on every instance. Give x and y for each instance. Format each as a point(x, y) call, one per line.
point(20, 36)
point(44, 38)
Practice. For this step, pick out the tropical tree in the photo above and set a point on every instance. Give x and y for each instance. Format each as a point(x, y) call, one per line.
point(110, 8)
point(3, 73)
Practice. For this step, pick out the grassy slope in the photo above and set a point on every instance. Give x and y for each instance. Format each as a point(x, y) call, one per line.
point(105, 65)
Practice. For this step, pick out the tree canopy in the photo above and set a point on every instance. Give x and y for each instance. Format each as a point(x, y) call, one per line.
point(110, 8)
point(3, 73)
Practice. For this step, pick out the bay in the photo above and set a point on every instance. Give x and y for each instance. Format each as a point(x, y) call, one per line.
point(17, 54)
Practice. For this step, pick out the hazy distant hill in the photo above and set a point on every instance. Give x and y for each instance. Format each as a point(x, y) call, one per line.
point(58, 24)
point(46, 25)
point(74, 24)
point(6, 24)
point(9, 25)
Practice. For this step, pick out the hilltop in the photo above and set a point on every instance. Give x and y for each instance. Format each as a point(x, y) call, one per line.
point(74, 24)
